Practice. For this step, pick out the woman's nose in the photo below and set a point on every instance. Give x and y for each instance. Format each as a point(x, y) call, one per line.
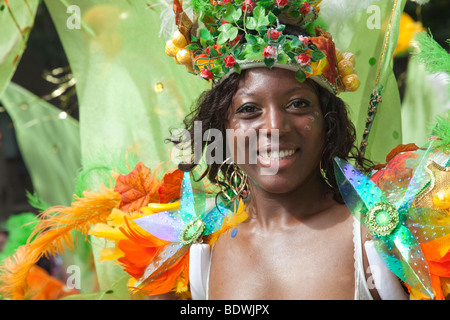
point(277, 120)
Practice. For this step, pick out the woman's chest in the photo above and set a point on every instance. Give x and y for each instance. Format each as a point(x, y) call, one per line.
point(319, 265)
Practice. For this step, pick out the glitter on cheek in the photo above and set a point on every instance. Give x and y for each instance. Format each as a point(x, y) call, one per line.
point(312, 121)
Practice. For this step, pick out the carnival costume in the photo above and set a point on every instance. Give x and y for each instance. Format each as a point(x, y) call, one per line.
point(163, 223)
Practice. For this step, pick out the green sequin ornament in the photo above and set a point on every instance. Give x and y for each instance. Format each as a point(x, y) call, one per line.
point(382, 219)
point(192, 231)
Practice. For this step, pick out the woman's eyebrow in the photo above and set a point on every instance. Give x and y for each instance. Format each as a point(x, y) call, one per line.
point(293, 89)
point(245, 93)
point(242, 92)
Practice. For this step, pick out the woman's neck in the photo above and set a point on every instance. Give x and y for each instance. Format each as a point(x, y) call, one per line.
point(271, 210)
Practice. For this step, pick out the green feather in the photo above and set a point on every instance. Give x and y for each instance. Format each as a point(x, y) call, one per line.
point(203, 6)
point(430, 53)
point(36, 202)
point(442, 131)
point(19, 227)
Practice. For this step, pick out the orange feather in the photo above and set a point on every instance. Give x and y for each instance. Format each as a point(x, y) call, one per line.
point(53, 234)
point(139, 250)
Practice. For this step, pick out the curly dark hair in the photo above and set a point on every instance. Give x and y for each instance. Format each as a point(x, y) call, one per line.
point(211, 111)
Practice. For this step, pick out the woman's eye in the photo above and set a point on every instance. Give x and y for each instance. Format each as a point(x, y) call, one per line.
point(247, 108)
point(299, 103)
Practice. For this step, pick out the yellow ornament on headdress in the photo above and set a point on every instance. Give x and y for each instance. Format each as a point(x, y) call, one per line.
point(346, 67)
point(442, 199)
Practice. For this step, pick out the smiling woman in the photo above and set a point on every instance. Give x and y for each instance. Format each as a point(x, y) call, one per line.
point(297, 220)
point(274, 101)
point(278, 111)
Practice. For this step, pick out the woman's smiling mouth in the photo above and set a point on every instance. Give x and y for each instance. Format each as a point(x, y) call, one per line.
point(277, 155)
point(277, 158)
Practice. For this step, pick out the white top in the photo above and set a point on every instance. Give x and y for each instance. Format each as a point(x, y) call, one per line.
point(386, 283)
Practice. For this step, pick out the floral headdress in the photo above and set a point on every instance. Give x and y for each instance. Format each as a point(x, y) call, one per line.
point(231, 35)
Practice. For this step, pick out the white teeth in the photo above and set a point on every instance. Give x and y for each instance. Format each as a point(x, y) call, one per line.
point(275, 155)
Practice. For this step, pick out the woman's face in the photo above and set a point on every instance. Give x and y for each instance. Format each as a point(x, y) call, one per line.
point(271, 103)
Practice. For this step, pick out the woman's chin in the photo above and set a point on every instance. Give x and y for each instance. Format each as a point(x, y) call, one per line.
point(276, 184)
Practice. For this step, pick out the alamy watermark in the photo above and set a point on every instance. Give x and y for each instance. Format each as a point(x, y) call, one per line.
point(74, 279)
point(74, 20)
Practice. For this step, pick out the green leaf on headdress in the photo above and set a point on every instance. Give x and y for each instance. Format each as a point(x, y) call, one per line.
point(317, 55)
point(269, 62)
point(227, 32)
point(281, 27)
point(242, 55)
point(250, 23)
point(223, 50)
point(308, 69)
point(232, 14)
point(287, 46)
point(251, 51)
point(251, 39)
point(281, 40)
point(272, 18)
point(300, 75)
point(296, 42)
point(265, 3)
point(237, 68)
point(262, 30)
point(192, 46)
point(213, 52)
point(257, 50)
point(205, 34)
point(282, 58)
point(217, 69)
point(259, 13)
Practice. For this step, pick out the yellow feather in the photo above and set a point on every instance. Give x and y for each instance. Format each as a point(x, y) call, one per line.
point(103, 230)
point(110, 254)
point(240, 215)
point(158, 207)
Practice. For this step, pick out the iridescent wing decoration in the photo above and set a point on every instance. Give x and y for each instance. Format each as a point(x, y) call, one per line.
point(397, 228)
point(181, 227)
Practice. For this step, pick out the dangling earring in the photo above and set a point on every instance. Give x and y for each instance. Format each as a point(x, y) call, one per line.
point(324, 175)
point(236, 181)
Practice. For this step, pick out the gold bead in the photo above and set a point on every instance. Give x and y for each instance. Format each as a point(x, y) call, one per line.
point(159, 87)
point(339, 55)
point(178, 39)
point(350, 57)
point(351, 82)
point(183, 56)
point(345, 68)
point(171, 48)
